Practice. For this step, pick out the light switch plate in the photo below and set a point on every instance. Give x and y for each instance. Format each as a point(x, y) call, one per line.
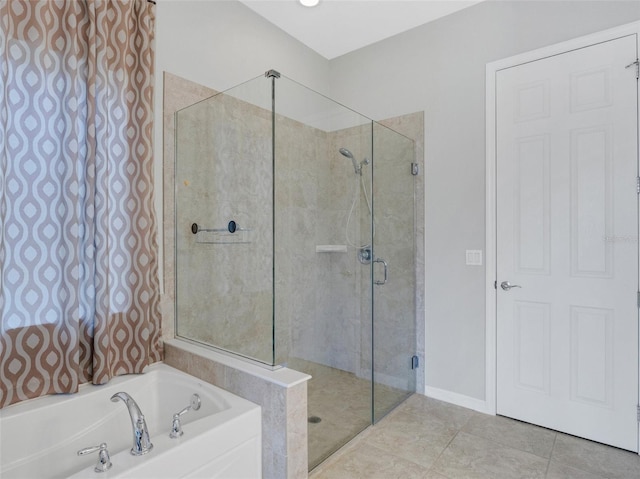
point(474, 257)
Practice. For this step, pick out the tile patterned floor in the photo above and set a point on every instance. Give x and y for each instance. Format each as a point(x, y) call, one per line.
point(428, 439)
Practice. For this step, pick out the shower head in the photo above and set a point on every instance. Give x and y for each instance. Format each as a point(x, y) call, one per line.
point(348, 154)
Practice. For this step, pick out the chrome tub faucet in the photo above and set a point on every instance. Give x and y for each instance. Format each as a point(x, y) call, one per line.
point(141, 442)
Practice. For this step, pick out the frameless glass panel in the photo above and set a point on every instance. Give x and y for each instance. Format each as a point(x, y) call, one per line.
point(394, 336)
point(285, 219)
point(224, 221)
point(323, 291)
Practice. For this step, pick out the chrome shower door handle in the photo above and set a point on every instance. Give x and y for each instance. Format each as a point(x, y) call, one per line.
point(507, 286)
point(386, 267)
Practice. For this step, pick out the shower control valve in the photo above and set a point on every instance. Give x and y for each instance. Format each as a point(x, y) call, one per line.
point(364, 255)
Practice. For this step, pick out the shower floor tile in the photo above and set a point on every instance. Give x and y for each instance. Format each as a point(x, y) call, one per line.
point(339, 407)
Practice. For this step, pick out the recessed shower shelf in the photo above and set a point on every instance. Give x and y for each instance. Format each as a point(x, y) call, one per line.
point(331, 248)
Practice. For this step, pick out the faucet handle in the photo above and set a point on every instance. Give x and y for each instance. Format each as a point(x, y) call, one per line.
point(104, 461)
point(176, 426)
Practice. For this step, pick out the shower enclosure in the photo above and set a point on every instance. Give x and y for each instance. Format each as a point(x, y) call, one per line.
point(295, 246)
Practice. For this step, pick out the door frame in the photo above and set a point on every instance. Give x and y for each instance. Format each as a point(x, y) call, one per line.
point(490, 185)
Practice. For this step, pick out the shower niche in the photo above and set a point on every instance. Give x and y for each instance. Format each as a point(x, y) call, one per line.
point(295, 246)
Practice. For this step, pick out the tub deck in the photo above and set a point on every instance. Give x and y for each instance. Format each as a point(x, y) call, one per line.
point(40, 438)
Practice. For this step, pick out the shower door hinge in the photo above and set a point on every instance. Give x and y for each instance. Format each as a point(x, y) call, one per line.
point(414, 169)
point(415, 362)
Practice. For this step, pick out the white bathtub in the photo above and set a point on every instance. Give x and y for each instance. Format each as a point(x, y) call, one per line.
point(40, 438)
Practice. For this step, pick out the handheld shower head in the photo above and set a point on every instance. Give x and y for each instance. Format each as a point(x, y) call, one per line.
point(348, 154)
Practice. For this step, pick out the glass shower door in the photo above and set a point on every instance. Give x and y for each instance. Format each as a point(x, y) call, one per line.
point(394, 327)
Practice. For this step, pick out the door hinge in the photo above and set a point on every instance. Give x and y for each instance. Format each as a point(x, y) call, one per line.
point(638, 185)
point(638, 299)
point(638, 411)
point(415, 170)
point(415, 362)
point(637, 65)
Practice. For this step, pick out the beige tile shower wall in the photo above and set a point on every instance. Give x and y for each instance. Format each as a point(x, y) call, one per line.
point(298, 188)
point(314, 188)
point(340, 301)
point(223, 174)
point(178, 93)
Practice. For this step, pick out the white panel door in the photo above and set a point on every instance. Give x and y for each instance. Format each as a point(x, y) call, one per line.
point(567, 226)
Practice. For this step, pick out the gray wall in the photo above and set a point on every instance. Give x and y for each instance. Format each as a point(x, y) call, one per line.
point(223, 43)
point(440, 68)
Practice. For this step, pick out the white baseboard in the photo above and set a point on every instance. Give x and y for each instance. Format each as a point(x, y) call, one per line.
point(469, 402)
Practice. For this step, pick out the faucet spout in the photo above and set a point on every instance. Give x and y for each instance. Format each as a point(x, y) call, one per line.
point(141, 442)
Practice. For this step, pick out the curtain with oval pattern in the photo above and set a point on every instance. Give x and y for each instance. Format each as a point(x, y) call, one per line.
point(79, 289)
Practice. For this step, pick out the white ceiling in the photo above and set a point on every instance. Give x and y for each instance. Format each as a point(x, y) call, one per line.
point(336, 27)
